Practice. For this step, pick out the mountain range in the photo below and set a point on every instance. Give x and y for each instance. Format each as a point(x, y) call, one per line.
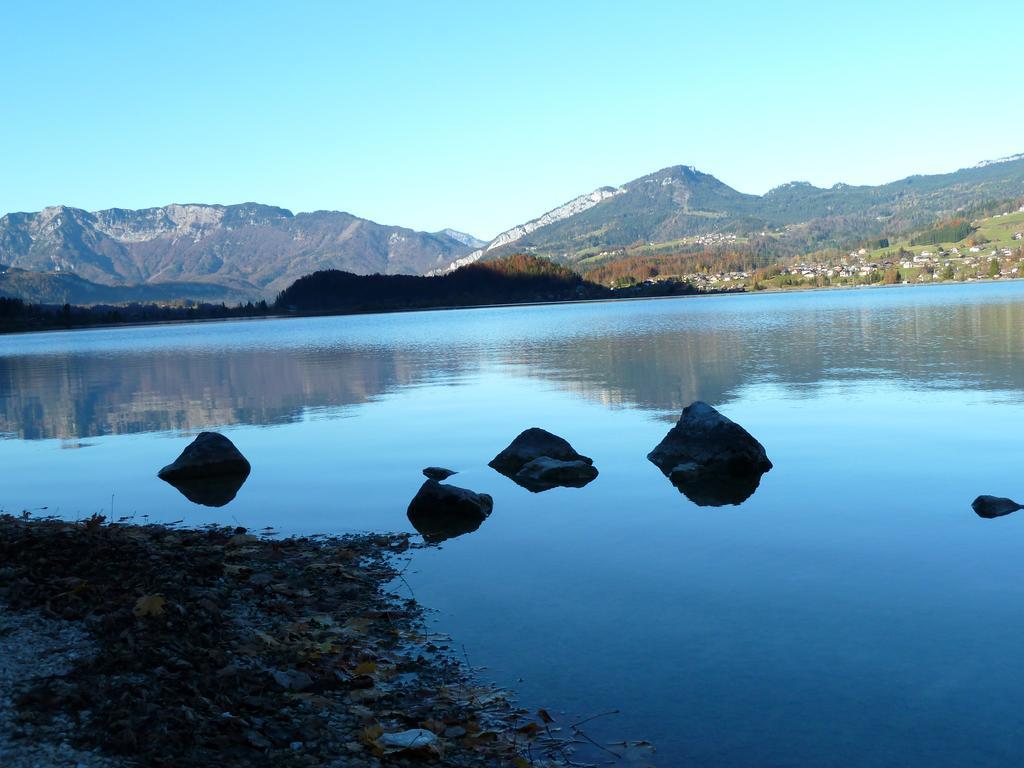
point(681, 202)
point(252, 251)
point(208, 252)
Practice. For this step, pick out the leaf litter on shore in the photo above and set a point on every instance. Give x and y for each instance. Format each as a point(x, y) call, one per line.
point(220, 648)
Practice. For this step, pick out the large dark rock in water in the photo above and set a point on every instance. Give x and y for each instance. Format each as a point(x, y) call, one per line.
point(994, 506)
point(209, 471)
point(544, 472)
point(439, 511)
point(710, 458)
point(209, 455)
point(705, 437)
point(561, 465)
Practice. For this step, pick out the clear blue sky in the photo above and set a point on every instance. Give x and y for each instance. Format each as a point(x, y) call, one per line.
point(479, 116)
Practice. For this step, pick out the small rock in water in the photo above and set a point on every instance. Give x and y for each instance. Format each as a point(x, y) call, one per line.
point(531, 444)
point(994, 506)
point(538, 460)
point(438, 473)
point(442, 512)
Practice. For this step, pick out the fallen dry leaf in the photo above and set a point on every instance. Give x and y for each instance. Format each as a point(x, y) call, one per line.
point(370, 734)
point(149, 605)
point(366, 668)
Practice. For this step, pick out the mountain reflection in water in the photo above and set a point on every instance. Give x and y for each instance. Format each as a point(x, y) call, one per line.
point(658, 355)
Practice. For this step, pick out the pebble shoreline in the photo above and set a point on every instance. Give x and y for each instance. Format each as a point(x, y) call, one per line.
point(125, 645)
point(34, 647)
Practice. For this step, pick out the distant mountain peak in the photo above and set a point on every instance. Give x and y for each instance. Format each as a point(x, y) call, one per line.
point(464, 238)
point(998, 160)
point(791, 185)
point(672, 173)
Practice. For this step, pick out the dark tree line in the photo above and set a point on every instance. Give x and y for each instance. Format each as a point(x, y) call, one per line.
point(16, 315)
point(947, 232)
point(512, 279)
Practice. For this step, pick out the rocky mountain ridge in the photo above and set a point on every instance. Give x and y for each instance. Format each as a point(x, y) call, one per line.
point(464, 238)
point(575, 206)
point(249, 249)
point(253, 251)
point(681, 202)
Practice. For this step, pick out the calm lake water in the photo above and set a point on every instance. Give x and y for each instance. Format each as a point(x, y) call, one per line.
point(853, 612)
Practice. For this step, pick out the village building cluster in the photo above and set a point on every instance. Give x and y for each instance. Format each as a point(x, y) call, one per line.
point(858, 267)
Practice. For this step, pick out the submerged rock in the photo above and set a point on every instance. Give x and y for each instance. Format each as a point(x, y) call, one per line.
point(532, 444)
point(209, 455)
point(438, 473)
point(710, 458)
point(994, 506)
point(440, 512)
point(544, 472)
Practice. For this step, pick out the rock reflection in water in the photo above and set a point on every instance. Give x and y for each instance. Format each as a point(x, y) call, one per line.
point(210, 491)
point(435, 528)
point(714, 487)
point(545, 473)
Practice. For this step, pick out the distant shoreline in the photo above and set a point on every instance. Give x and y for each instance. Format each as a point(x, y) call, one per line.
point(407, 310)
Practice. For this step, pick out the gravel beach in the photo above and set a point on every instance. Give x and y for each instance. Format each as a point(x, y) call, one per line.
point(127, 645)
